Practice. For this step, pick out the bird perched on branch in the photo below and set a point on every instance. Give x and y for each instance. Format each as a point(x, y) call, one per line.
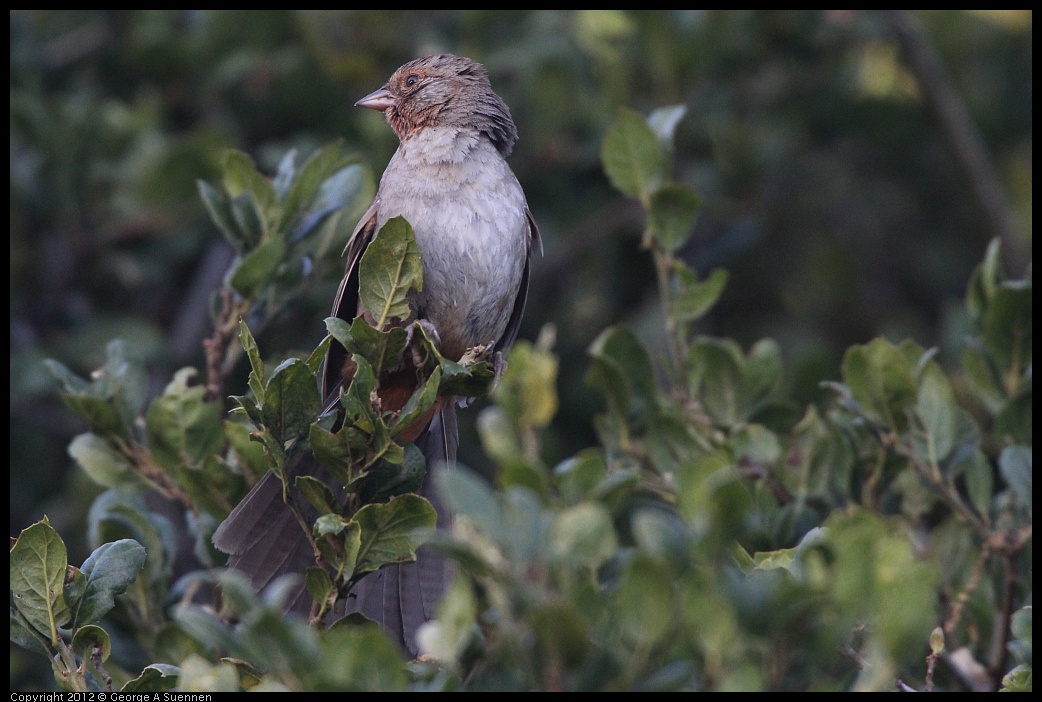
point(449, 179)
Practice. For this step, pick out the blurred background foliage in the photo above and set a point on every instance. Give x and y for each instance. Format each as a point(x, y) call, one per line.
point(841, 203)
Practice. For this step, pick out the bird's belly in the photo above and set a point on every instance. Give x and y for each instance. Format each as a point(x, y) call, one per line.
point(474, 244)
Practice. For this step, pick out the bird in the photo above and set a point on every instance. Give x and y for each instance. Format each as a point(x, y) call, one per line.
point(450, 180)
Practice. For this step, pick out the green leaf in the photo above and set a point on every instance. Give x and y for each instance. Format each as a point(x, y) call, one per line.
point(124, 381)
point(384, 447)
point(499, 439)
point(206, 627)
point(561, 630)
point(274, 449)
point(526, 523)
point(109, 571)
point(672, 443)
point(91, 640)
point(199, 675)
point(70, 382)
point(936, 409)
point(983, 281)
point(465, 381)
point(583, 535)
point(241, 176)
point(256, 268)
point(158, 677)
point(983, 376)
point(317, 358)
point(675, 677)
point(389, 269)
point(623, 372)
point(1015, 466)
point(1013, 422)
point(421, 400)
point(756, 444)
point(1006, 329)
point(470, 496)
point(1017, 680)
point(247, 455)
point(633, 157)
point(38, 565)
point(249, 408)
point(879, 375)
point(1020, 627)
point(879, 580)
point(172, 643)
point(320, 165)
point(447, 637)
point(671, 215)
point(664, 120)
point(359, 658)
point(692, 298)
point(352, 545)
point(220, 209)
point(330, 525)
point(697, 482)
point(714, 376)
point(320, 586)
point(825, 459)
point(577, 476)
point(383, 349)
point(116, 515)
point(98, 412)
point(979, 482)
point(391, 532)
point(25, 635)
point(340, 330)
point(291, 400)
point(357, 399)
point(643, 602)
point(316, 492)
point(332, 451)
point(285, 174)
point(937, 641)
point(111, 402)
point(103, 462)
point(248, 220)
point(182, 429)
point(257, 375)
point(763, 371)
point(527, 391)
point(346, 194)
point(386, 480)
point(663, 534)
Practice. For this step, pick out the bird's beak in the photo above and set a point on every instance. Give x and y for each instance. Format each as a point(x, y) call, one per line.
point(377, 100)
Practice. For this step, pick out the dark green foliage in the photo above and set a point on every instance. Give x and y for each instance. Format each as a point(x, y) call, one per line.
point(679, 503)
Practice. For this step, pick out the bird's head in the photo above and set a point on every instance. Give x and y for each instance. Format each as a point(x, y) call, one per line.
point(444, 90)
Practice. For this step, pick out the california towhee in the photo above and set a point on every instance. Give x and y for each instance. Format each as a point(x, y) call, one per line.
point(450, 180)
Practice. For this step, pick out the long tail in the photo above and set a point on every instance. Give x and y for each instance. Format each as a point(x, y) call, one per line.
point(264, 540)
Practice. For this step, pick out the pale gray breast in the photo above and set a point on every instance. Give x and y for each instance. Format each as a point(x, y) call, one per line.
point(468, 211)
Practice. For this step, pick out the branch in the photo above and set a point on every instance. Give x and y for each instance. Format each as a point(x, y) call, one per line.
point(959, 129)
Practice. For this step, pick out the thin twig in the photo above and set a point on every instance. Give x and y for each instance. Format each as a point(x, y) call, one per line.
point(157, 477)
point(959, 129)
point(960, 601)
point(996, 667)
point(216, 347)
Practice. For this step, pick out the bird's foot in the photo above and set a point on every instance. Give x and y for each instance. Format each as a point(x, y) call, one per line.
point(414, 343)
point(476, 354)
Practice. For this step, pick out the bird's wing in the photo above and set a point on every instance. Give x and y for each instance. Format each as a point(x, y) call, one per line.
point(514, 323)
point(345, 304)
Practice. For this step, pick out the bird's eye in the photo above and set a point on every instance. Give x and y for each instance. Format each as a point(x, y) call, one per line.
point(412, 80)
